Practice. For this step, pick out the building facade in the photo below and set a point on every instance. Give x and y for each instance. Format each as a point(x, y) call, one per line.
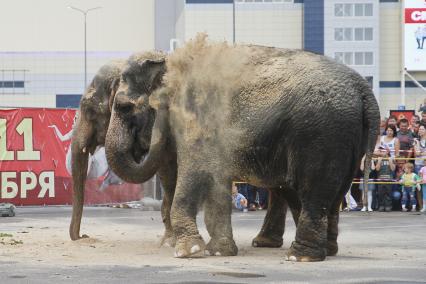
point(44, 67)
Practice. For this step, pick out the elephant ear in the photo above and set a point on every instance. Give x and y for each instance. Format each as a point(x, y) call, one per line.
point(147, 74)
point(113, 88)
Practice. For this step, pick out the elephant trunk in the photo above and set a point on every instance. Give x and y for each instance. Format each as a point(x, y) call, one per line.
point(79, 161)
point(121, 144)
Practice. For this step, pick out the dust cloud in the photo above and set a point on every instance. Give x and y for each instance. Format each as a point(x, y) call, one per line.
point(202, 77)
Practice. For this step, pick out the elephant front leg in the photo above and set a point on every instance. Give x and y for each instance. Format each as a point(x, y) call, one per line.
point(217, 216)
point(167, 176)
point(169, 239)
point(183, 215)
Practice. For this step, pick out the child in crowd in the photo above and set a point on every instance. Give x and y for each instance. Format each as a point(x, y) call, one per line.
point(422, 173)
point(385, 168)
point(238, 200)
point(409, 181)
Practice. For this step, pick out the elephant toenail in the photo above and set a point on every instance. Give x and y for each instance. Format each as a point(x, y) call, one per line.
point(217, 254)
point(207, 253)
point(195, 249)
point(292, 258)
point(255, 244)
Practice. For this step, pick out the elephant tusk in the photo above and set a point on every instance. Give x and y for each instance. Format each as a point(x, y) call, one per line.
point(84, 150)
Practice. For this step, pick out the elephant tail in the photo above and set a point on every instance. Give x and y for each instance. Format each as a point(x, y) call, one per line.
point(371, 122)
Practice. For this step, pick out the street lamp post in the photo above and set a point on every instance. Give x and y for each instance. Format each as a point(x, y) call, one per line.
point(84, 12)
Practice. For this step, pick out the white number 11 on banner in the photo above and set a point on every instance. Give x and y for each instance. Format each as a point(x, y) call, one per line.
point(24, 128)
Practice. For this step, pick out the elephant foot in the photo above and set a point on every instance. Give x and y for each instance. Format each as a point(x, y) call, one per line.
point(168, 240)
point(332, 248)
point(84, 236)
point(221, 247)
point(188, 246)
point(303, 253)
point(267, 242)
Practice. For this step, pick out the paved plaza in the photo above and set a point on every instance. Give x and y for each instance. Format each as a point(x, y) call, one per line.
point(123, 248)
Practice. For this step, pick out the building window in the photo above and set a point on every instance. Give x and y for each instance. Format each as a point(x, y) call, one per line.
point(347, 36)
point(338, 10)
point(368, 10)
point(350, 34)
point(368, 58)
point(338, 56)
point(338, 34)
point(351, 10)
point(13, 81)
point(347, 10)
point(359, 58)
point(355, 58)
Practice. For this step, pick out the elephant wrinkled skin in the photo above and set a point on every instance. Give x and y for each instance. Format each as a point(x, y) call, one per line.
point(291, 121)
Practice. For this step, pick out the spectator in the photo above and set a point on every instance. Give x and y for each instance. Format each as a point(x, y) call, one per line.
point(262, 195)
point(385, 168)
point(422, 173)
point(406, 139)
point(415, 129)
point(420, 149)
point(371, 186)
point(423, 120)
point(249, 193)
point(409, 180)
point(392, 120)
point(389, 142)
point(415, 118)
point(238, 200)
point(423, 107)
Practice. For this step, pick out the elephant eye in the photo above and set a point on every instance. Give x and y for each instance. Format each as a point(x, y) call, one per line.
point(124, 107)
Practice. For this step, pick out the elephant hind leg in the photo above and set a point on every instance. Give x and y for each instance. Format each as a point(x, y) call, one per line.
point(333, 221)
point(271, 234)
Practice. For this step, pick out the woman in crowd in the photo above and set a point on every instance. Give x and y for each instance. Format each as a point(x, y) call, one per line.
point(420, 154)
point(389, 142)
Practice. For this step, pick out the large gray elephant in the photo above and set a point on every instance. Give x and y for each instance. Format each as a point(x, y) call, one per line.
point(288, 120)
point(89, 132)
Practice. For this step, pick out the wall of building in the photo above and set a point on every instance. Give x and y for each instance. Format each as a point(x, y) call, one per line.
point(352, 37)
point(42, 50)
point(263, 23)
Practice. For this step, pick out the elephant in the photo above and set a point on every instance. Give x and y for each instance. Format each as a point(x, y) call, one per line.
point(133, 115)
point(292, 121)
point(89, 132)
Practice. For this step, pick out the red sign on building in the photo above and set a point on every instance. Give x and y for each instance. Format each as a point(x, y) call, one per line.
point(33, 164)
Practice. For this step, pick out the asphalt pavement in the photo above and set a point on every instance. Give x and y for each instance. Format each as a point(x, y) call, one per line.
point(373, 248)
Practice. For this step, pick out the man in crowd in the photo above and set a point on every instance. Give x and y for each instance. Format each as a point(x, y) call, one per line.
point(423, 120)
point(406, 139)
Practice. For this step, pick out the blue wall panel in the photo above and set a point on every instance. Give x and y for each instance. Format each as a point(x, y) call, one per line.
point(68, 101)
point(313, 16)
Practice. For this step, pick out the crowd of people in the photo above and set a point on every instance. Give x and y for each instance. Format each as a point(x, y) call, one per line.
point(397, 180)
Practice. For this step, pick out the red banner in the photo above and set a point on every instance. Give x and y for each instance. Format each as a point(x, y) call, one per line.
point(415, 15)
point(33, 148)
